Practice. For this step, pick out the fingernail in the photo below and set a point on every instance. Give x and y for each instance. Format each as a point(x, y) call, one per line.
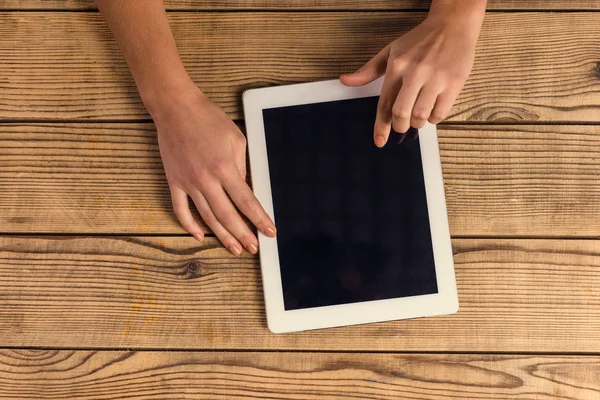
point(379, 141)
point(198, 237)
point(401, 137)
point(270, 232)
point(253, 249)
point(412, 133)
point(235, 249)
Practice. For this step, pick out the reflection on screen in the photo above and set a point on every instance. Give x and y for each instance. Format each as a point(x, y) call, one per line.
point(352, 222)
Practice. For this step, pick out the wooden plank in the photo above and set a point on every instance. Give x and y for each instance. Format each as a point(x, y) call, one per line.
point(92, 178)
point(305, 4)
point(540, 181)
point(72, 375)
point(174, 293)
point(530, 66)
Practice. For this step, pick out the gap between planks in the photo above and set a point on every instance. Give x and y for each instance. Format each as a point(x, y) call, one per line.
point(212, 235)
point(307, 351)
point(301, 10)
point(240, 122)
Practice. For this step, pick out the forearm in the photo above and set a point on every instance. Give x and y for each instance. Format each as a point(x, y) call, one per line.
point(142, 31)
point(469, 13)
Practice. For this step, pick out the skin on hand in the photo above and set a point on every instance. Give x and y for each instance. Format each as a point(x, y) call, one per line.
point(203, 151)
point(204, 156)
point(425, 69)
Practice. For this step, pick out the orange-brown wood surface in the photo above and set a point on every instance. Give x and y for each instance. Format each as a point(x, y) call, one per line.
point(157, 292)
point(75, 375)
point(91, 256)
point(305, 4)
point(512, 181)
point(530, 67)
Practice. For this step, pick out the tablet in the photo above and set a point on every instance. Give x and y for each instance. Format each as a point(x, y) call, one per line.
point(362, 232)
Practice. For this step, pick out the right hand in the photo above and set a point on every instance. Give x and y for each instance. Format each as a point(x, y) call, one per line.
point(204, 157)
point(425, 69)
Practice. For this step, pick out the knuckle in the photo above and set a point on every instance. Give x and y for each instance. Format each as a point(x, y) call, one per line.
point(263, 222)
point(189, 227)
point(384, 106)
point(398, 64)
point(420, 72)
point(208, 218)
point(185, 221)
point(227, 240)
point(180, 213)
point(246, 238)
point(201, 175)
point(400, 113)
point(438, 116)
point(420, 114)
point(186, 224)
point(241, 141)
point(248, 203)
point(219, 167)
point(457, 78)
point(425, 69)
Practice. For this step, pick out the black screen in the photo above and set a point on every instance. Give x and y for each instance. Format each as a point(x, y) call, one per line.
point(352, 222)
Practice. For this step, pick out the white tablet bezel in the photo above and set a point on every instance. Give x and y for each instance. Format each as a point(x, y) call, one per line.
point(278, 319)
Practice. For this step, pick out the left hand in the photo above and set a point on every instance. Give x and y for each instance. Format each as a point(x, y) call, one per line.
point(425, 70)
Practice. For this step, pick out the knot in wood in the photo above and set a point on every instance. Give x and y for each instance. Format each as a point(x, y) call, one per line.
point(597, 70)
point(193, 268)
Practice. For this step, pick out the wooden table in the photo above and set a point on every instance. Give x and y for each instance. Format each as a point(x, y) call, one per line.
point(103, 295)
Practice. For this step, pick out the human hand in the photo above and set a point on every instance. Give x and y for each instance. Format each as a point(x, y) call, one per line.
point(425, 70)
point(204, 156)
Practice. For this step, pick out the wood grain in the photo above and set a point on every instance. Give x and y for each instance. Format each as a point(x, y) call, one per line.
point(74, 375)
point(530, 66)
point(93, 178)
point(540, 181)
point(174, 293)
point(305, 4)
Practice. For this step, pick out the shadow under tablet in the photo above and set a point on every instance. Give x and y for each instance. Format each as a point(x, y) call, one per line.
point(352, 221)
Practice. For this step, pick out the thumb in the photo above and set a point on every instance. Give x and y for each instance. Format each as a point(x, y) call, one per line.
point(368, 72)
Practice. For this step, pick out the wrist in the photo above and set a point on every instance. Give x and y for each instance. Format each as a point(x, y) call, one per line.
point(169, 95)
point(467, 13)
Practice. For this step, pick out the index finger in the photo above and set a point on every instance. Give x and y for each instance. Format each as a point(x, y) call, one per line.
point(383, 120)
point(248, 204)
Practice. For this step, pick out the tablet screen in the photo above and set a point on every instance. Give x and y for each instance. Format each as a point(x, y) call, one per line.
point(352, 221)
